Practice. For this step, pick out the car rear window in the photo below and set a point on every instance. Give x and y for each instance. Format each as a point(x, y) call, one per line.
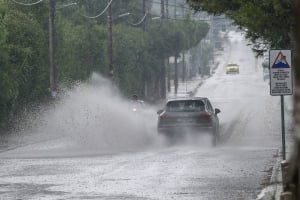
point(232, 65)
point(185, 106)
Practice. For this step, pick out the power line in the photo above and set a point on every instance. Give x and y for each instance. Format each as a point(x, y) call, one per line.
point(141, 21)
point(27, 4)
point(143, 18)
point(169, 5)
point(105, 9)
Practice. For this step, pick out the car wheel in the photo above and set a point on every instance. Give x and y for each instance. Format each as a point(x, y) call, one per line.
point(214, 140)
point(215, 137)
point(168, 137)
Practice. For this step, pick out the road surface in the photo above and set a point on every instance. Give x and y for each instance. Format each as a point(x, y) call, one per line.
point(102, 152)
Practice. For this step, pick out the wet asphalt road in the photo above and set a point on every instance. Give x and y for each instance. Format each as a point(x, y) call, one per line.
point(238, 168)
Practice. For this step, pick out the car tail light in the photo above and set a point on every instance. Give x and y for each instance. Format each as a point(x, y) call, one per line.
point(164, 115)
point(204, 117)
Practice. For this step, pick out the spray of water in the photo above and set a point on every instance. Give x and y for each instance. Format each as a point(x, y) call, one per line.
point(95, 117)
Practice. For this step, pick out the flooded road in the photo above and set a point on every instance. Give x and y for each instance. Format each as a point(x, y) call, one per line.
point(102, 152)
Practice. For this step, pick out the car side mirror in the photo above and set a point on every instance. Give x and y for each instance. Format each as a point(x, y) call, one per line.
point(217, 111)
point(159, 111)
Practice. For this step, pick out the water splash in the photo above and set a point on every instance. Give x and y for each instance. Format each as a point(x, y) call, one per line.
point(94, 116)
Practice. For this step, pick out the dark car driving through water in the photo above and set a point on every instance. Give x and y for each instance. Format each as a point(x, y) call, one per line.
point(195, 114)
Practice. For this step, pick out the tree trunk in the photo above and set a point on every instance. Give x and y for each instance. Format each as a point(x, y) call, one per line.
point(176, 75)
point(295, 161)
point(169, 75)
point(163, 81)
point(183, 67)
point(157, 87)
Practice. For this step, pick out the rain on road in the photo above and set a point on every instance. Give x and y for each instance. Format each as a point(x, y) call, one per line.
point(102, 153)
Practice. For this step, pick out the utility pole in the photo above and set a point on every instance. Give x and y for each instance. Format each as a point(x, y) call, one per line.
point(163, 69)
point(176, 74)
point(175, 58)
point(162, 12)
point(144, 6)
point(53, 87)
point(110, 46)
point(175, 10)
point(167, 9)
point(144, 74)
point(184, 68)
point(144, 11)
point(168, 61)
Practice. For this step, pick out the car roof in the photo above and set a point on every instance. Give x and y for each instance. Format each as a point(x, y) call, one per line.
point(187, 98)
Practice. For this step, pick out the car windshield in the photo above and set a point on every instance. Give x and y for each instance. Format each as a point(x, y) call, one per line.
point(232, 65)
point(185, 106)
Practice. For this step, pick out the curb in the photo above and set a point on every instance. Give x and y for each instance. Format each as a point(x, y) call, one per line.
point(276, 178)
point(194, 91)
point(274, 189)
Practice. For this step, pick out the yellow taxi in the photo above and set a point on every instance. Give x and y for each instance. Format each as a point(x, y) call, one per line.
point(232, 68)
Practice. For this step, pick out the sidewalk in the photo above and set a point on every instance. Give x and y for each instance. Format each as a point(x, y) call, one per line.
point(288, 104)
point(189, 87)
point(274, 190)
point(276, 187)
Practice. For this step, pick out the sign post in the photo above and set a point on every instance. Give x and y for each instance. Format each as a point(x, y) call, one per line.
point(281, 82)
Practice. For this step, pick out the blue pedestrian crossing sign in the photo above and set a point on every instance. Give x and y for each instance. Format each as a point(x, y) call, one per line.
point(280, 72)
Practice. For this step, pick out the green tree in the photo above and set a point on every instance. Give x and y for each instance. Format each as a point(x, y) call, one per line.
point(7, 84)
point(130, 58)
point(185, 34)
point(22, 67)
point(81, 50)
point(268, 24)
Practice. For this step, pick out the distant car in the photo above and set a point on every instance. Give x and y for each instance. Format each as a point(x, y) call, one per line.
point(232, 68)
point(195, 114)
